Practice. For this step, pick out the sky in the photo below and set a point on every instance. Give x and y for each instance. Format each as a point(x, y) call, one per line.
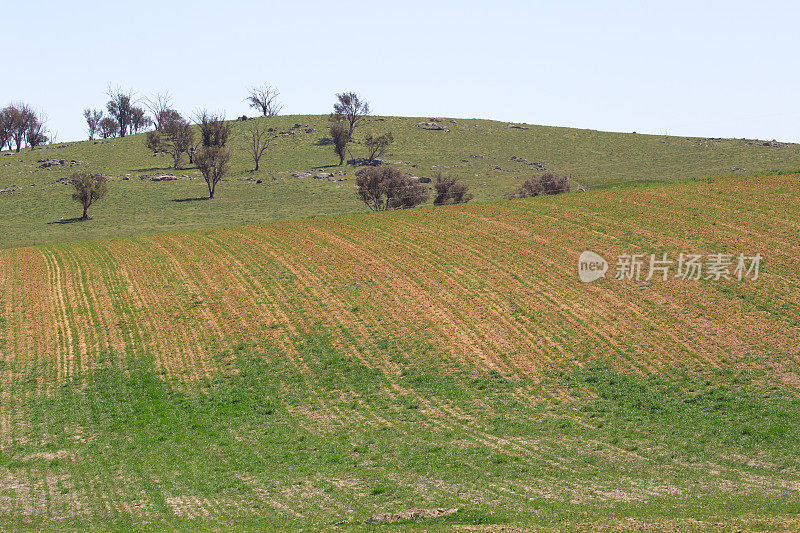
point(700, 68)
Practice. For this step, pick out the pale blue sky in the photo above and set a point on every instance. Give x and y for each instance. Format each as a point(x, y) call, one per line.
point(685, 68)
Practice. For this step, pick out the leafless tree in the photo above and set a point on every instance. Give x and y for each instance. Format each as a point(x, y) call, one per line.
point(120, 107)
point(212, 161)
point(265, 100)
point(159, 104)
point(88, 189)
point(256, 139)
point(93, 118)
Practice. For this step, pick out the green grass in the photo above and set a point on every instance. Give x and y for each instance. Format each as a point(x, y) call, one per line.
point(41, 210)
point(682, 450)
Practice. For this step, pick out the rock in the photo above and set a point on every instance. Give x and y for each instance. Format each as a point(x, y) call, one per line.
point(359, 161)
point(300, 174)
point(516, 127)
point(433, 126)
point(242, 118)
point(259, 181)
point(421, 179)
point(323, 176)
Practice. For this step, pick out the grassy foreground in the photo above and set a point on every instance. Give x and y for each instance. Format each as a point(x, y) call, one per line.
point(39, 209)
point(316, 374)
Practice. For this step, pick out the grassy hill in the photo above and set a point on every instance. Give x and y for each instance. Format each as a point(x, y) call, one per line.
point(316, 373)
point(39, 208)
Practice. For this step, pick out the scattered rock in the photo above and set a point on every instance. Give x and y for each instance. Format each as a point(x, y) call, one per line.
point(739, 169)
point(517, 127)
point(300, 174)
point(9, 190)
point(360, 161)
point(431, 126)
point(323, 176)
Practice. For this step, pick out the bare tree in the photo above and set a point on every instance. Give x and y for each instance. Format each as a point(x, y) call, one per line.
point(256, 138)
point(93, 118)
point(159, 105)
point(120, 107)
point(88, 189)
point(376, 146)
point(265, 100)
point(212, 161)
point(382, 188)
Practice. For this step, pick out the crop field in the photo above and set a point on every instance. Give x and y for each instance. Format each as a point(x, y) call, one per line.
point(437, 368)
point(491, 157)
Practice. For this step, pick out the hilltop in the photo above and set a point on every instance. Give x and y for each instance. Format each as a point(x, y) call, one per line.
point(492, 157)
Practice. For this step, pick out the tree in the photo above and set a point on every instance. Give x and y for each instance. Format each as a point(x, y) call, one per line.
point(348, 112)
point(88, 189)
point(351, 110)
point(139, 120)
point(264, 99)
point(175, 138)
point(256, 138)
point(377, 145)
point(450, 191)
point(20, 119)
point(108, 127)
point(37, 133)
point(93, 118)
point(214, 131)
point(340, 138)
point(212, 161)
point(159, 105)
point(382, 188)
point(5, 128)
point(120, 107)
point(547, 183)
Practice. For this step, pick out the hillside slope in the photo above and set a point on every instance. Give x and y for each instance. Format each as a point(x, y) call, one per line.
point(314, 372)
point(490, 156)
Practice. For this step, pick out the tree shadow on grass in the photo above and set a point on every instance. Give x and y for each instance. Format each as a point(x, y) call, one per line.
point(324, 141)
point(190, 199)
point(155, 169)
point(324, 166)
point(69, 220)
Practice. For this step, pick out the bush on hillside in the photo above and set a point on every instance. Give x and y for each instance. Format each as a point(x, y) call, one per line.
point(547, 183)
point(450, 191)
point(385, 187)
